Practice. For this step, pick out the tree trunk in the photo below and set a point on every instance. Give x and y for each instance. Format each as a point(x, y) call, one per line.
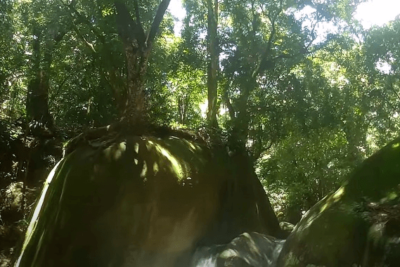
point(135, 109)
point(41, 121)
point(213, 64)
point(241, 121)
point(137, 47)
point(183, 104)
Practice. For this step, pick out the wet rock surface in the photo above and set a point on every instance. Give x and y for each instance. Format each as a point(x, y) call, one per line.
point(248, 249)
point(358, 225)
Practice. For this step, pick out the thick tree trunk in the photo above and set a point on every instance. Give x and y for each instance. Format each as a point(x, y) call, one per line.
point(240, 129)
point(213, 64)
point(41, 121)
point(41, 124)
point(135, 108)
point(37, 106)
point(115, 80)
point(137, 46)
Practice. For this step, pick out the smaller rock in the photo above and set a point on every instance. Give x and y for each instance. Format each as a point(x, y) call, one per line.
point(286, 227)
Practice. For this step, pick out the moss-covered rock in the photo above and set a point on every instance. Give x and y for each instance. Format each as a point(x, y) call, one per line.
point(358, 225)
point(143, 201)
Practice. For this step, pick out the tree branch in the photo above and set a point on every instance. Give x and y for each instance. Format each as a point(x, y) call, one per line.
point(261, 148)
point(83, 19)
point(394, 90)
point(128, 29)
point(89, 45)
point(314, 36)
point(265, 54)
point(270, 63)
point(60, 36)
point(135, 3)
point(227, 101)
point(157, 21)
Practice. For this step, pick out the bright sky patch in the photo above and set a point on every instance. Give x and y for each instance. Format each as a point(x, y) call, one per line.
point(375, 12)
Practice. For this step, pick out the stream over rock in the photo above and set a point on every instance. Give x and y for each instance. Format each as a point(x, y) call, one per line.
point(248, 249)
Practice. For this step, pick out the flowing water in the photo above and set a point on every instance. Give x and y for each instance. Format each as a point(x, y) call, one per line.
point(247, 250)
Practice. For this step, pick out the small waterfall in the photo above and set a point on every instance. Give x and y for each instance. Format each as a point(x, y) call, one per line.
point(251, 248)
point(206, 256)
point(275, 254)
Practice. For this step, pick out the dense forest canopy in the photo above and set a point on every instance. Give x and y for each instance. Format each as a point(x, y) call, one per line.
point(309, 104)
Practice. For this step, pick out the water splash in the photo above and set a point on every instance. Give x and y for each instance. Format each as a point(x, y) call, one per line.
point(206, 256)
point(251, 248)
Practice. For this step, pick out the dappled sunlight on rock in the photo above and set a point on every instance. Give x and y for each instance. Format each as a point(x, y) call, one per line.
point(177, 167)
point(155, 168)
point(115, 151)
point(356, 223)
point(396, 145)
point(148, 201)
point(392, 195)
point(338, 194)
point(143, 173)
point(136, 148)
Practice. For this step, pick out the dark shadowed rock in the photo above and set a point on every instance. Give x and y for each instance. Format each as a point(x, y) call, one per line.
point(358, 225)
point(143, 201)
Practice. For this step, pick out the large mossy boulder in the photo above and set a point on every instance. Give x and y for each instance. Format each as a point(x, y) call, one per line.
point(144, 201)
point(358, 225)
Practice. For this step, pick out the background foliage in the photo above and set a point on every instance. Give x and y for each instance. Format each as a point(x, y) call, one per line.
point(309, 104)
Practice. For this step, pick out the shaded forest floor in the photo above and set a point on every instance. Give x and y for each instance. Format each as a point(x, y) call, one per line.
point(24, 164)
